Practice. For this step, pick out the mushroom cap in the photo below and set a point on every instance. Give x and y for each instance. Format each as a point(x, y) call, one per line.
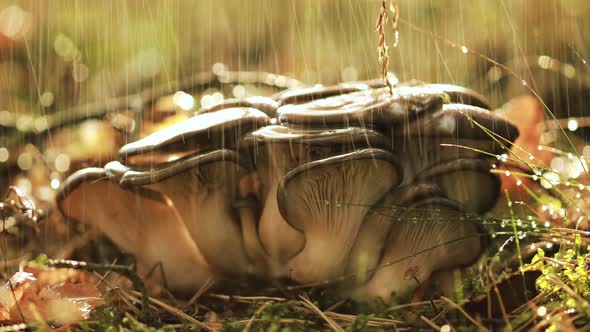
point(364, 85)
point(459, 120)
point(140, 222)
point(456, 94)
point(457, 131)
point(327, 200)
point(133, 177)
point(373, 108)
point(461, 95)
point(466, 181)
point(264, 104)
point(313, 144)
point(430, 236)
point(319, 91)
point(208, 131)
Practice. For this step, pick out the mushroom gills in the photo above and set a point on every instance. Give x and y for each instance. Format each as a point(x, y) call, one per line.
point(141, 223)
point(370, 242)
point(466, 181)
point(203, 190)
point(327, 200)
point(279, 149)
point(429, 237)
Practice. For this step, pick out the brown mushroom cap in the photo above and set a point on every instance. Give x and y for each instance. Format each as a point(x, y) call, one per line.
point(304, 95)
point(208, 131)
point(203, 189)
point(456, 94)
point(459, 120)
point(327, 200)
point(373, 108)
point(431, 236)
point(461, 95)
point(142, 223)
point(265, 104)
point(364, 85)
point(309, 145)
point(134, 177)
point(466, 181)
point(455, 132)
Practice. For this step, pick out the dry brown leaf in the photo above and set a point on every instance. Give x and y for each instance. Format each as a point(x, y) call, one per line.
point(63, 296)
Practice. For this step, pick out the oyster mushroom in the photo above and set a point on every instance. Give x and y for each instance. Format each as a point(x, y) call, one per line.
point(141, 222)
point(209, 131)
point(327, 200)
point(451, 133)
point(431, 236)
point(373, 108)
point(203, 189)
point(369, 245)
point(466, 181)
point(277, 150)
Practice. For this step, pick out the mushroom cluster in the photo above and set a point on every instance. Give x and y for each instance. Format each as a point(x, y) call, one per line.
point(308, 186)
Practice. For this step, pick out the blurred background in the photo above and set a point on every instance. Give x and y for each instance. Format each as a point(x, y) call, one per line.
point(66, 57)
point(56, 53)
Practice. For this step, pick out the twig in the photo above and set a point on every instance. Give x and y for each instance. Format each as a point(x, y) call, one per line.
point(382, 48)
point(500, 301)
point(204, 288)
point(570, 230)
point(178, 313)
point(309, 305)
point(430, 323)
point(456, 306)
point(374, 321)
point(246, 299)
point(258, 311)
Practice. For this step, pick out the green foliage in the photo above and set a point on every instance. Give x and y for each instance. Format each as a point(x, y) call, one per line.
point(359, 323)
point(565, 277)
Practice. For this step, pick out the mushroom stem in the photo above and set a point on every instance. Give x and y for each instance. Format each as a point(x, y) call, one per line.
point(247, 205)
point(281, 240)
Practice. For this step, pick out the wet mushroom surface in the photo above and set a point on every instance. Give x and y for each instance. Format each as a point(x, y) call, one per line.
point(310, 186)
